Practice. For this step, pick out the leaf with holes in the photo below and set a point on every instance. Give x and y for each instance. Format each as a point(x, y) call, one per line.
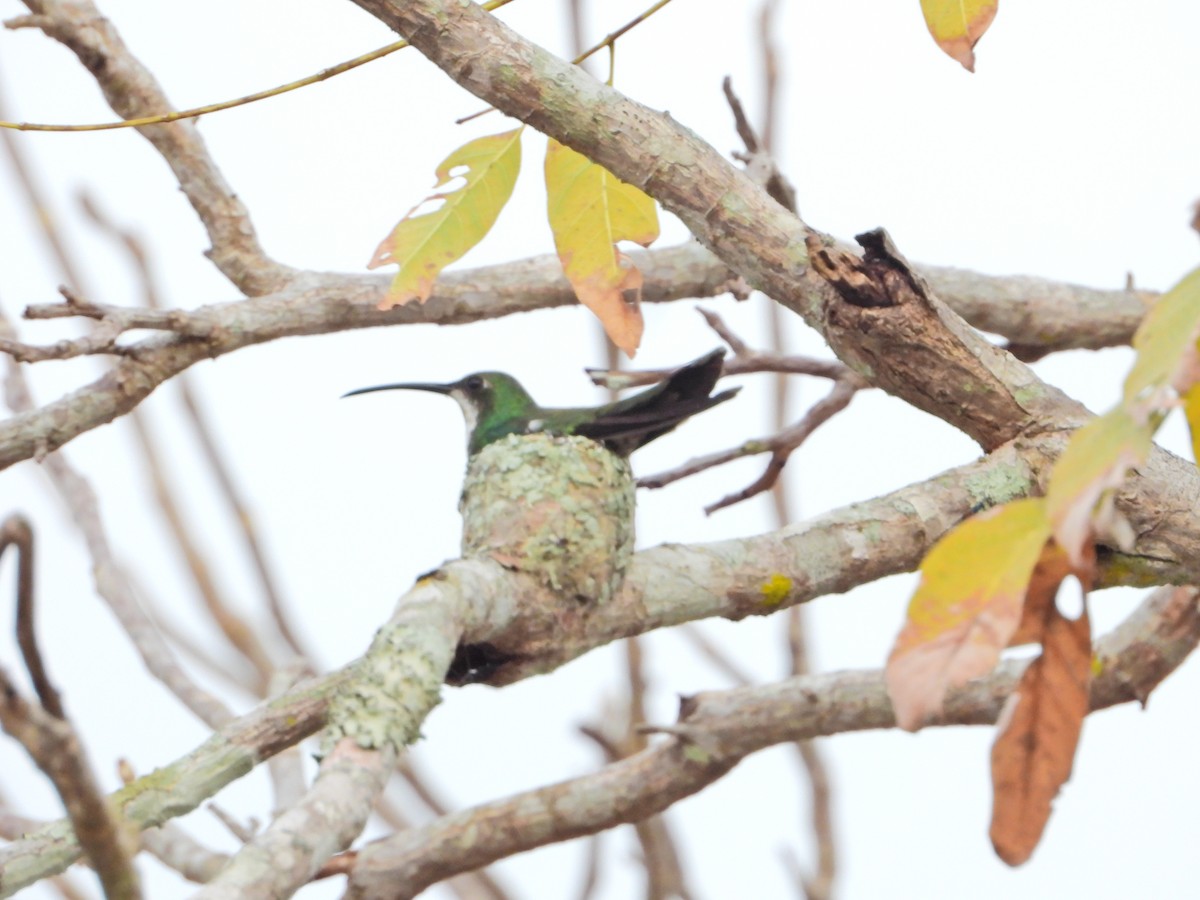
point(966, 608)
point(424, 243)
point(590, 210)
point(957, 26)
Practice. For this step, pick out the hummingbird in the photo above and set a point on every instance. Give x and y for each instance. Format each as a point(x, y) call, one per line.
point(495, 404)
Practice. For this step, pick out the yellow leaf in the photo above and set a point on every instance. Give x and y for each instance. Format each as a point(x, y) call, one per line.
point(1167, 356)
point(590, 209)
point(1191, 408)
point(966, 608)
point(957, 25)
point(424, 244)
point(1095, 462)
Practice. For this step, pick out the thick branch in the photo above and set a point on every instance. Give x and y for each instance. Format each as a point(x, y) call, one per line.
point(180, 787)
point(318, 303)
point(325, 303)
point(982, 391)
point(668, 585)
point(718, 729)
point(289, 853)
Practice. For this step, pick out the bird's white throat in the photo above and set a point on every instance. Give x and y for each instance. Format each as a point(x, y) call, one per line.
point(470, 413)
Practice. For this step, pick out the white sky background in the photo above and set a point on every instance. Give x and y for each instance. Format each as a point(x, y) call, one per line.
point(1071, 154)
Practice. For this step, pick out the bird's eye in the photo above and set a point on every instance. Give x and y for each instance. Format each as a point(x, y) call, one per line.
point(475, 383)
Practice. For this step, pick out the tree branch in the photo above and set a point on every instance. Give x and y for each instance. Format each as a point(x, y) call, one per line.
point(977, 388)
point(133, 92)
point(665, 586)
point(716, 730)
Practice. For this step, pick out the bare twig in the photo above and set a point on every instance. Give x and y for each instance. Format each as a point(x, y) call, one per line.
point(233, 626)
point(178, 850)
point(665, 873)
point(620, 735)
point(133, 93)
point(52, 743)
point(112, 583)
point(760, 165)
point(242, 515)
point(239, 634)
point(203, 431)
point(16, 531)
point(233, 670)
point(592, 868)
point(780, 446)
point(716, 656)
point(746, 362)
point(817, 885)
point(243, 831)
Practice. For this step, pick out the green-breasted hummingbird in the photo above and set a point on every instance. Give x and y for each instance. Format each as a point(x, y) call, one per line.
point(495, 404)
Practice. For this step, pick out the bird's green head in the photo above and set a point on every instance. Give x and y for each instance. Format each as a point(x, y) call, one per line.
point(493, 403)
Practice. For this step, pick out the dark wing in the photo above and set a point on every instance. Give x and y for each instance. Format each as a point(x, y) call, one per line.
point(637, 420)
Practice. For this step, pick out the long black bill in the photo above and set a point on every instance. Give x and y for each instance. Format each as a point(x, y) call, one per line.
point(413, 386)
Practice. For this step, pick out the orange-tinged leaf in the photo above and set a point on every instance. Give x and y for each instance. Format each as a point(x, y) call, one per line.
point(1039, 731)
point(425, 243)
point(590, 210)
point(1095, 462)
point(957, 25)
point(1168, 359)
point(966, 608)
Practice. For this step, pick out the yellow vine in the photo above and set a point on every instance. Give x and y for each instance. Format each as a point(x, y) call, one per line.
point(323, 75)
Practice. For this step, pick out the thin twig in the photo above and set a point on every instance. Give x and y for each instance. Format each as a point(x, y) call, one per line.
point(17, 532)
point(112, 583)
point(620, 735)
point(52, 743)
point(819, 885)
point(34, 21)
point(240, 635)
point(780, 446)
point(202, 429)
point(592, 867)
point(715, 654)
point(243, 831)
point(409, 769)
point(235, 628)
point(760, 164)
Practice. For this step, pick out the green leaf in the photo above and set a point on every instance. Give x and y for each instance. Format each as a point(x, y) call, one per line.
point(1168, 359)
point(422, 245)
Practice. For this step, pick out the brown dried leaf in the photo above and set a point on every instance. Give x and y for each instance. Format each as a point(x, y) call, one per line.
point(1035, 750)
